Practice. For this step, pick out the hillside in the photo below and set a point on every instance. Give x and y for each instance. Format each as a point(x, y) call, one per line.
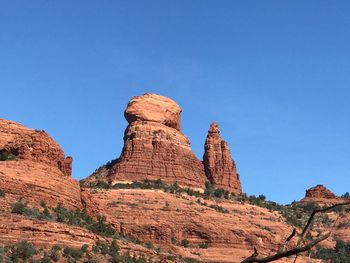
point(155, 203)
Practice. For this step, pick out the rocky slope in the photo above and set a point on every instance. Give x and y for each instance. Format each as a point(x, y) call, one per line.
point(166, 220)
point(41, 203)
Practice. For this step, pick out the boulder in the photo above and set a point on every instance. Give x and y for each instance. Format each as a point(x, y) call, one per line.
point(155, 108)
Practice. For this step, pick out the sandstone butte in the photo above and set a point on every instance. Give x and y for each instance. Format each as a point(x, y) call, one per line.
point(155, 148)
point(34, 167)
point(320, 194)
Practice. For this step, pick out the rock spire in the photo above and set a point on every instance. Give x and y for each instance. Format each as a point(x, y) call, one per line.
point(218, 164)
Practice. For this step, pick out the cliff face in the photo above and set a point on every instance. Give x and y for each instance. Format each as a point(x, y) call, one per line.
point(219, 166)
point(34, 167)
point(217, 230)
point(154, 147)
point(22, 143)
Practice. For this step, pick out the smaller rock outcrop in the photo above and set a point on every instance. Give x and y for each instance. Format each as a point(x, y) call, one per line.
point(218, 164)
point(19, 142)
point(34, 167)
point(320, 194)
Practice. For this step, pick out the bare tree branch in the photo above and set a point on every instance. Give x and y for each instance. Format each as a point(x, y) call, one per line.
point(286, 253)
point(288, 239)
point(321, 210)
point(298, 249)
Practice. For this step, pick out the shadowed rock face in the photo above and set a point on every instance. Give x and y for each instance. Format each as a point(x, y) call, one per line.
point(219, 166)
point(154, 146)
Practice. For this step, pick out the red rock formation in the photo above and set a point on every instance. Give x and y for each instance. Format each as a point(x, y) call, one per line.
point(154, 146)
point(218, 164)
point(320, 194)
point(33, 167)
point(155, 108)
point(20, 142)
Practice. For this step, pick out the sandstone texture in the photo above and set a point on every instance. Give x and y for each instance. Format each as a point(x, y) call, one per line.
point(34, 167)
point(219, 166)
point(44, 234)
point(322, 195)
point(154, 147)
point(166, 220)
point(154, 108)
point(23, 143)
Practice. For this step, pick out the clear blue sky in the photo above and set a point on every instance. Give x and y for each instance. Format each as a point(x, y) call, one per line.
point(275, 75)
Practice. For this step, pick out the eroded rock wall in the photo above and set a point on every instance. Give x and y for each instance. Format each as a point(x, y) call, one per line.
point(218, 163)
point(33, 167)
point(154, 147)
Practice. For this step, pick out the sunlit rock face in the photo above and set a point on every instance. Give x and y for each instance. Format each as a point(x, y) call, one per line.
point(154, 146)
point(33, 167)
point(219, 166)
point(320, 194)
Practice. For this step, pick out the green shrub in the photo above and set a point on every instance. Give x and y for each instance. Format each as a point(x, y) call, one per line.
point(219, 209)
point(54, 255)
point(262, 197)
point(191, 260)
point(2, 193)
point(101, 247)
point(339, 254)
point(45, 259)
point(185, 243)
point(22, 250)
point(209, 189)
point(174, 241)
point(220, 193)
point(19, 208)
point(84, 248)
point(82, 219)
point(4, 155)
point(346, 195)
point(69, 252)
point(204, 245)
